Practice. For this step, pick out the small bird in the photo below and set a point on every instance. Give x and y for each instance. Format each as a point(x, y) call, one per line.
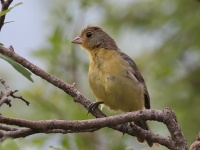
point(113, 76)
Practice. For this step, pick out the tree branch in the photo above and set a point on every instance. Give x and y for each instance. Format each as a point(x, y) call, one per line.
point(63, 126)
point(196, 144)
point(43, 125)
point(5, 5)
point(4, 96)
point(176, 142)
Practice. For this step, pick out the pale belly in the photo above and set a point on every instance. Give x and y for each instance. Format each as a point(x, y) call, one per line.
point(117, 92)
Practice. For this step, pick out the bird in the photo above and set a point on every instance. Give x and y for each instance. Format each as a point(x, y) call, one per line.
point(113, 76)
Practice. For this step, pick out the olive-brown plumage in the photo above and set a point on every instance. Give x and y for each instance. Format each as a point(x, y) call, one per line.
point(113, 76)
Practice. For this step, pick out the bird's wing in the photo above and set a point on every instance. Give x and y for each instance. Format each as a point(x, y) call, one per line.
point(138, 76)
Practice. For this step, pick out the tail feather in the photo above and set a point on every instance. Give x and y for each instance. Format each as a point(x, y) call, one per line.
point(143, 125)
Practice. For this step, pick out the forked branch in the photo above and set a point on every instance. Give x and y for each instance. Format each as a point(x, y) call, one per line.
point(175, 142)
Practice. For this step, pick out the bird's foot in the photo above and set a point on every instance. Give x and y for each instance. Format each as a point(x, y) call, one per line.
point(93, 106)
point(124, 127)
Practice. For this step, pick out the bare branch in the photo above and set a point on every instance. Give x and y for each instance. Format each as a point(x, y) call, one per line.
point(4, 96)
point(63, 126)
point(196, 144)
point(67, 88)
point(9, 92)
point(7, 128)
point(110, 121)
point(176, 142)
point(19, 97)
point(5, 84)
point(24, 132)
point(5, 5)
point(17, 133)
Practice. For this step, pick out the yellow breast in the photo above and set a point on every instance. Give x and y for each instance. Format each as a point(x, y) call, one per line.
point(112, 82)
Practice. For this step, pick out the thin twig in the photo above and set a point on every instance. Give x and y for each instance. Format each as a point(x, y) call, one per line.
point(5, 5)
point(4, 96)
point(19, 97)
point(5, 84)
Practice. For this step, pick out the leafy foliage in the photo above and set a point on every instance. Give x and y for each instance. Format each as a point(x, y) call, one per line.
point(9, 144)
point(9, 9)
point(18, 67)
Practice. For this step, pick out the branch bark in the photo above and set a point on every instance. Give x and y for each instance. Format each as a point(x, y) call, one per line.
point(175, 142)
point(196, 144)
point(63, 126)
point(4, 96)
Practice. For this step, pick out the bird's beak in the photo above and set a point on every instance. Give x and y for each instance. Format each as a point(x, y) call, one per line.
point(77, 40)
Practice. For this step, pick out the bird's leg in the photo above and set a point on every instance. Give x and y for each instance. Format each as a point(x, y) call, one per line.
point(93, 106)
point(123, 127)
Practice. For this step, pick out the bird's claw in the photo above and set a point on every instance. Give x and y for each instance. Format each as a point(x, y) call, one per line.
point(123, 127)
point(93, 106)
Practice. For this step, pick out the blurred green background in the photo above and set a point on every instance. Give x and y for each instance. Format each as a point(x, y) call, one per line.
point(162, 37)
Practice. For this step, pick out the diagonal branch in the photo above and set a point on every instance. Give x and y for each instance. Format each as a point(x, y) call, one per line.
point(67, 88)
point(176, 142)
point(19, 97)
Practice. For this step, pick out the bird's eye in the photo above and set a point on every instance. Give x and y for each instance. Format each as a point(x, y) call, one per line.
point(88, 34)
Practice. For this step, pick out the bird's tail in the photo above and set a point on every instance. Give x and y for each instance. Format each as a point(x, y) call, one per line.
point(144, 126)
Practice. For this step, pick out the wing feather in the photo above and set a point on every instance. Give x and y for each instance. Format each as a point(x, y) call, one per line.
point(138, 76)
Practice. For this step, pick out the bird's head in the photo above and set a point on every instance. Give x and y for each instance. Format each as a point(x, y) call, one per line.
point(93, 37)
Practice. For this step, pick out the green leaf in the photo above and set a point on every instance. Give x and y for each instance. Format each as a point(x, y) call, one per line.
point(18, 67)
point(9, 9)
point(8, 22)
point(9, 144)
point(57, 148)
